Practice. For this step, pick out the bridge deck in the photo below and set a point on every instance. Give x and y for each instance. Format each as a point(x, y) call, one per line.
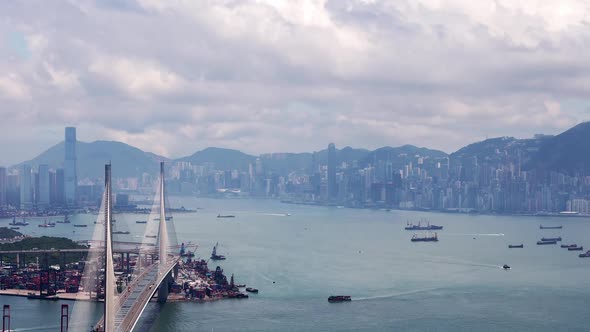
point(134, 299)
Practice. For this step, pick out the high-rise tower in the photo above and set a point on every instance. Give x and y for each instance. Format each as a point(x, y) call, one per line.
point(26, 193)
point(332, 190)
point(43, 194)
point(70, 172)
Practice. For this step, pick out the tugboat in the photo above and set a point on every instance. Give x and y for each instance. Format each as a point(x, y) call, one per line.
point(506, 267)
point(225, 216)
point(428, 227)
point(215, 256)
point(550, 227)
point(416, 238)
point(339, 298)
point(546, 242)
point(252, 290)
point(575, 249)
point(515, 246)
point(551, 239)
point(586, 254)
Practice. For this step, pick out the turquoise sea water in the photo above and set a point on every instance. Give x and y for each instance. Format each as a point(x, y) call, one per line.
point(297, 261)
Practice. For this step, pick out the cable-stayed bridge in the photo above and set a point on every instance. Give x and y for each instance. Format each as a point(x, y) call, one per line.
point(124, 304)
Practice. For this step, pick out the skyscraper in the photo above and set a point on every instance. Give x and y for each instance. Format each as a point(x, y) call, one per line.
point(2, 186)
point(332, 190)
point(43, 193)
point(70, 172)
point(26, 194)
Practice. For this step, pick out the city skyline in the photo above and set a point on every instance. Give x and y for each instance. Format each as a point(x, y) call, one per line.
point(309, 73)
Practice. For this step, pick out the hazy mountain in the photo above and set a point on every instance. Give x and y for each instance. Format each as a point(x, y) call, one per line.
point(568, 152)
point(127, 160)
point(500, 149)
point(223, 159)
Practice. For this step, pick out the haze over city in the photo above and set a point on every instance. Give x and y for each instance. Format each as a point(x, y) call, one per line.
point(289, 76)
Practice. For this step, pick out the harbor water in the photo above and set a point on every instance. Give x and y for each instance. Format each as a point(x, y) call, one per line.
point(298, 255)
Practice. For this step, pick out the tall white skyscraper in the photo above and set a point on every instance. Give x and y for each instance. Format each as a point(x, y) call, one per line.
point(43, 194)
point(26, 193)
point(70, 171)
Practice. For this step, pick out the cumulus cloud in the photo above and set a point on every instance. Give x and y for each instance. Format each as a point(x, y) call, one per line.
point(172, 77)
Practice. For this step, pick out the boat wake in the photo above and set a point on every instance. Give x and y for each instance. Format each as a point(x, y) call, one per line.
point(476, 234)
point(398, 294)
point(277, 214)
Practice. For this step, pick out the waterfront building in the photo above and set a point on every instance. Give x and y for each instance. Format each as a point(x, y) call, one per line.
point(70, 171)
point(2, 186)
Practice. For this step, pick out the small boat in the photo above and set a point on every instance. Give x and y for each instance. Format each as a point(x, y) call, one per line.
point(252, 290)
point(546, 242)
point(550, 227)
point(575, 249)
point(551, 239)
point(569, 245)
point(141, 222)
point(121, 232)
point(339, 298)
point(515, 246)
point(215, 256)
point(427, 238)
point(225, 216)
point(506, 267)
point(586, 254)
point(80, 225)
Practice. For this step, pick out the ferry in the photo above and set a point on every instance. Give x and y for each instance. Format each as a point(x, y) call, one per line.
point(550, 227)
point(416, 238)
point(515, 246)
point(546, 242)
point(551, 239)
point(339, 298)
point(215, 256)
point(419, 227)
point(575, 249)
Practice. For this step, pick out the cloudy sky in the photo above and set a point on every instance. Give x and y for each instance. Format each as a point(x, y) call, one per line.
point(176, 76)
